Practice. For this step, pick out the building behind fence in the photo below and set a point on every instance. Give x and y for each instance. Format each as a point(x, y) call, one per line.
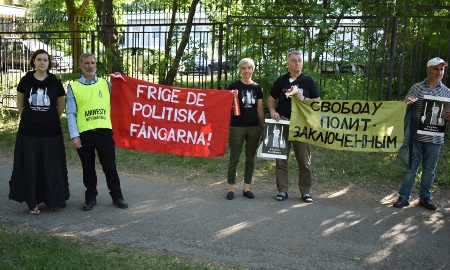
point(366, 58)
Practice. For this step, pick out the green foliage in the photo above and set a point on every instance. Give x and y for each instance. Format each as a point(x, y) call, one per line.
point(443, 168)
point(51, 14)
point(164, 62)
point(107, 59)
point(9, 118)
point(306, 26)
point(342, 86)
point(8, 128)
point(68, 77)
point(266, 74)
point(142, 6)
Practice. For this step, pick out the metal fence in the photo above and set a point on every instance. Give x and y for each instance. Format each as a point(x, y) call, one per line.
point(15, 54)
point(366, 57)
point(344, 61)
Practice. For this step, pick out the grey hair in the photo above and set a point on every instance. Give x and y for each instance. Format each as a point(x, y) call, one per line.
point(86, 54)
point(293, 53)
point(246, 61)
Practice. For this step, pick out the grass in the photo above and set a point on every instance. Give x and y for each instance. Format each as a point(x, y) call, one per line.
point(330, 167)
point(26, 248)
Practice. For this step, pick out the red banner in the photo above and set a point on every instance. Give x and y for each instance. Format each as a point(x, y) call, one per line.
point(164, 119)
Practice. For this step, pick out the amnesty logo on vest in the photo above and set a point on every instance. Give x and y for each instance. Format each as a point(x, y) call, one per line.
point(95, 114)
point(353, 125)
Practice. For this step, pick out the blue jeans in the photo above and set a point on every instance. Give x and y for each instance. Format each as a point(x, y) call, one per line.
point(428, 155)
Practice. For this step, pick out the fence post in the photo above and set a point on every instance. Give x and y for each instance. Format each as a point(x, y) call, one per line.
point(392, 58)
point(93, 42)
point(220, 54)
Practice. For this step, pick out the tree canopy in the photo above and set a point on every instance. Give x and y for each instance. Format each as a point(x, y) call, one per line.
point(265, 30)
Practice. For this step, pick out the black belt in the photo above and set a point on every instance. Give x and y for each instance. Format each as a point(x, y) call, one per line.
point(97, 129)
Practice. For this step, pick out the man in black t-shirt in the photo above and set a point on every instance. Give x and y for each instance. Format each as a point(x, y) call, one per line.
point(307, 89)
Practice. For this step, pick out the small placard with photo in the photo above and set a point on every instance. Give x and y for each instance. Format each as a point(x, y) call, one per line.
point(275, 139)
point(432, 120)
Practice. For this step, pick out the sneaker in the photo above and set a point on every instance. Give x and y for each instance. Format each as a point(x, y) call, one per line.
point(230, 195)
point(281, 196)
point(427, 203)
point(307, 198)
point(248, 194)
point(400, 203)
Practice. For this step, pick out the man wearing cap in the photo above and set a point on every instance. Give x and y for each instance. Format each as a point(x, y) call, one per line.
point(425, 147)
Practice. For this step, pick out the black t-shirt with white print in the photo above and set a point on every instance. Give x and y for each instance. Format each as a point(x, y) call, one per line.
point(40, 116)
point(248, 95)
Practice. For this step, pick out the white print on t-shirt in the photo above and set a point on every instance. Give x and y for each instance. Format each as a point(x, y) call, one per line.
point(248, 99)
point(39, 101)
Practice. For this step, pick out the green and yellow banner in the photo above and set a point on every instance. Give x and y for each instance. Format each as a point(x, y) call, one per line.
point(353, 125)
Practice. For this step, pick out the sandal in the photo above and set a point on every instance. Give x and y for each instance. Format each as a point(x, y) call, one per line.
point(307, 198)
point(281, 196)
point(35, 211)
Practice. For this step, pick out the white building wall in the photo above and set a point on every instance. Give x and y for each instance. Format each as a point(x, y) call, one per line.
point(150, 29)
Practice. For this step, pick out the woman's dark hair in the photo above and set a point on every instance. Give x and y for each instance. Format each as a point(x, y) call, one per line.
point(33, 57)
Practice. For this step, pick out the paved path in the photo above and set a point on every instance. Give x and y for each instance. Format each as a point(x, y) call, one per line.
point(331, 233)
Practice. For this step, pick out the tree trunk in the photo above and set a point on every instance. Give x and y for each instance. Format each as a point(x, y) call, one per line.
point(74, 28)
point(172, 72)
point(108, 35)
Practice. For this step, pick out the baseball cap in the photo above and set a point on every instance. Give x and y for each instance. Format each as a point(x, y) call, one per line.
point(436, 61)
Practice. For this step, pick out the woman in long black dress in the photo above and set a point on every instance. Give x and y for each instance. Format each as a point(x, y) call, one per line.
point(40, 171)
